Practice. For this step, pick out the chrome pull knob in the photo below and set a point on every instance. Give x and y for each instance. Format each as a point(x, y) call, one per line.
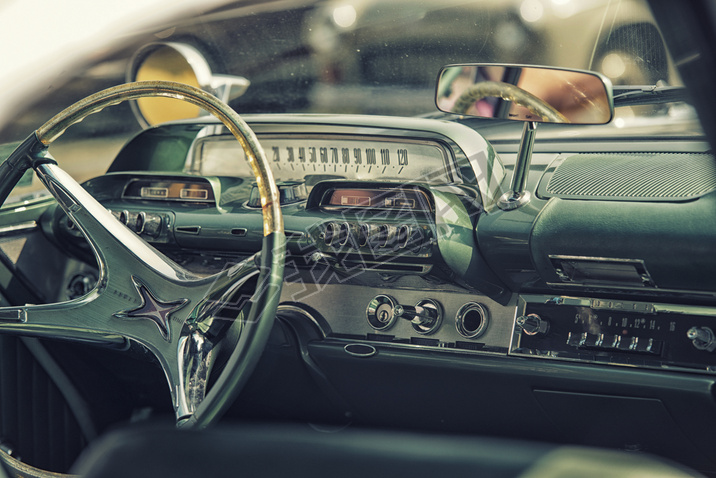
point(425, 316)
point(702, 337)
point(532, 324)
point(417, 315)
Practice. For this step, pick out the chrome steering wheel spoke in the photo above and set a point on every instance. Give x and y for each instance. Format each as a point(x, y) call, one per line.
point(143, 296)
point(169, 310)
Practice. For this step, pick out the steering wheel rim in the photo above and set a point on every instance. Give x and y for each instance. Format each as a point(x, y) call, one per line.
point(139, 282)
point(508, 92)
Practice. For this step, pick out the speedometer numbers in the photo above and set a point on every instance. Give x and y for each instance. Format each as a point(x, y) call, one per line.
point(348, 157)
point(359, 159)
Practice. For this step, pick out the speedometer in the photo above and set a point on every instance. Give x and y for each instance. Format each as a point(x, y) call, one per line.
point(295, 157)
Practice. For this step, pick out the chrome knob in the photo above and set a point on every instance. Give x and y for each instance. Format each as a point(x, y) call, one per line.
point(532, 324)
point(425, 316)
point(151, 224)
point(330, 235)
point(702, 337)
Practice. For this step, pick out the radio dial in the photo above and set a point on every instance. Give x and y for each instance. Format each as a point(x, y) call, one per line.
point(702, 337)
point(532, 324)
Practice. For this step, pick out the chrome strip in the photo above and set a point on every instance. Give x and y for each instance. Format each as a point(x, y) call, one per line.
point(23, 227)
point(302, 312)
point(643, 307)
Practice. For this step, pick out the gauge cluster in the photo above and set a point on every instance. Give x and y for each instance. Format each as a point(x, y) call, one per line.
point(392, 196)
point(195, 190)
point(398, 199)
point(295, 157)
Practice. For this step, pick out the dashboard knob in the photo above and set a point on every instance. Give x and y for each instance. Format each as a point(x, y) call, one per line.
point(532, 324)
point(330, 234)
point(425, 316)
point(151, 224)
point(702, 337)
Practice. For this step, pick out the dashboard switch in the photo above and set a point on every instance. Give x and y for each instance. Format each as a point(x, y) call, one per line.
point(532, 324)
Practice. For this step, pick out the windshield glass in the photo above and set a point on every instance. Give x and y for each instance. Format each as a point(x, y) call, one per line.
point(376, 57)
point(373, 57)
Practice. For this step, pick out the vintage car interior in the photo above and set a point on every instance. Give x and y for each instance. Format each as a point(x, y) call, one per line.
point(517, 282)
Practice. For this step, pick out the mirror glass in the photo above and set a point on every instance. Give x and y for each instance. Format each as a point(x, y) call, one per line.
point(165, 63)
point(525, 93)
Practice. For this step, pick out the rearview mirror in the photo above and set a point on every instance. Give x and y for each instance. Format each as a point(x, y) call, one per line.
point(525, 93)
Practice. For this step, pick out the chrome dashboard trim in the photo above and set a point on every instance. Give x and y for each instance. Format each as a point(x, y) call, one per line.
point(467, 146)
point(294, 309)
point(19, 228)
point(440, 348)
point(581, 288)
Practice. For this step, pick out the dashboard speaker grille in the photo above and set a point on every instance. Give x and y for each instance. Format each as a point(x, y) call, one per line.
point(639, 176)
point(35, 420)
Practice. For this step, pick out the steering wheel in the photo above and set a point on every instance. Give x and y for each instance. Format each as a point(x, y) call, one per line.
point(142, 295)
point(511, 93)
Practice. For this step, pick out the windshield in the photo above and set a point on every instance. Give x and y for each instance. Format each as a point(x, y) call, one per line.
point(373, 57)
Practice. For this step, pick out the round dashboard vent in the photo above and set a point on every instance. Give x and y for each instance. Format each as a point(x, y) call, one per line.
point(471, 320)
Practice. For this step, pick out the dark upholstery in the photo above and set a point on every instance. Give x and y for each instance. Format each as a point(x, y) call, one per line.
point(292, 451)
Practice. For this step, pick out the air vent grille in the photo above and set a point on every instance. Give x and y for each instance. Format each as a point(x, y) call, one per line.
point(641, 176)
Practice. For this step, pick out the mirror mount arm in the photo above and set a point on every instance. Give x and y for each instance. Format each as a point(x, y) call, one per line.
point(518, 195)
point(227, 87)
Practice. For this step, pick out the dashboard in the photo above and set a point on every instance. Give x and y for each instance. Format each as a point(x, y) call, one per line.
point(401, 266)
point(384, 215)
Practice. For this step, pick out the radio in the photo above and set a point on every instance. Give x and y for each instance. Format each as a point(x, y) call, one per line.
point(616, 332)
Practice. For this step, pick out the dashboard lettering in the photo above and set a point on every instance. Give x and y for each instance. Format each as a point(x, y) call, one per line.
point(385, 157)
point(402, 157)
point(353, 158)
point(370, 156)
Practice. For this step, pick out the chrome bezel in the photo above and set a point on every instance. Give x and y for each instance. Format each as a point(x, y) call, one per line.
point(430, 304)
point(460, 320)
point(372, 309)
